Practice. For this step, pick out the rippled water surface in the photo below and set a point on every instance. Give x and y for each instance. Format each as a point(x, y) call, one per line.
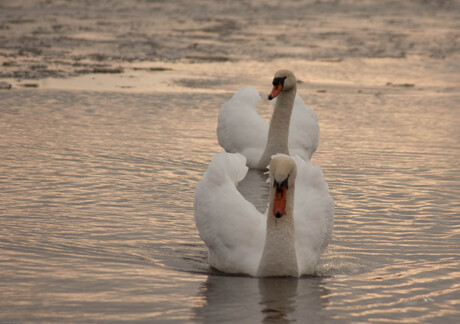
point(110, 122)
point(97, 209)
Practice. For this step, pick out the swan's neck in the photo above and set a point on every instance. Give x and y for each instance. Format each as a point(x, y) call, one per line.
point(279, 256)
point(278, 132)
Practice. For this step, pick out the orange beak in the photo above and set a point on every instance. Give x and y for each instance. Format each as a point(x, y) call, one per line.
point(279, 201)
point(276, 91)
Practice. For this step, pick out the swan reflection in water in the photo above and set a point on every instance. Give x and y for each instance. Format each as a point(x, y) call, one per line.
point(268, 300)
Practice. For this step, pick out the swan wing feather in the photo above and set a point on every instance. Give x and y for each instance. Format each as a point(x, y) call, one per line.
point(240, 129)
point(303, 130)
point(231, 227)
point(313, 215)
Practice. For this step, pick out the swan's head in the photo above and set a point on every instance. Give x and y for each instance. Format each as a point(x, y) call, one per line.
point(284, 80)
point(283, 171)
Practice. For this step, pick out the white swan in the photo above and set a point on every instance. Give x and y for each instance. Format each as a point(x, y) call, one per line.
point(240, 129)
point(285, 241)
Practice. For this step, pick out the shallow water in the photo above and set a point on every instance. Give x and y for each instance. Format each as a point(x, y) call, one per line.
point(97, 172)
point(97, 208)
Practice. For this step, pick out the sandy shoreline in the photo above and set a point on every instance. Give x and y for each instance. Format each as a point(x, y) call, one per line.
point(376, 76)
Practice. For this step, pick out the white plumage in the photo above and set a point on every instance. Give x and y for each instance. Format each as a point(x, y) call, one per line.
point(241, 130)
point(235, 232)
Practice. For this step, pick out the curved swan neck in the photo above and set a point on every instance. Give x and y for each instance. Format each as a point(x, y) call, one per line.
point(279, 256)
point(278, 132)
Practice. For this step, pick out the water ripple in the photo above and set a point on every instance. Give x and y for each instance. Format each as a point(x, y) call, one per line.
point(97, 211)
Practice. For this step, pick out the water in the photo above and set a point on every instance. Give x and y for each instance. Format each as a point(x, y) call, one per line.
point(97, 172)
point(97, 210)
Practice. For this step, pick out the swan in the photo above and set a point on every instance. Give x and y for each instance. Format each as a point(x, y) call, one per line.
point(285, 241)
point(240, 129)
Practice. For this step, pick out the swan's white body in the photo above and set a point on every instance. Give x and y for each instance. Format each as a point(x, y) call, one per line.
point(236, 233)
point(241, 129)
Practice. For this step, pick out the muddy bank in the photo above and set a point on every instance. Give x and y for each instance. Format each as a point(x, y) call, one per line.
point(53, 38)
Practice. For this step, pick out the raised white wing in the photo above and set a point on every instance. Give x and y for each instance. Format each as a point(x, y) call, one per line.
point(231, 227)
point(240, 129)
point(303, 130)
point(313, 214)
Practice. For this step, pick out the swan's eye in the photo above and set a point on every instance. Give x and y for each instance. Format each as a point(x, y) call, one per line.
point(283, 184)
point(277, 81)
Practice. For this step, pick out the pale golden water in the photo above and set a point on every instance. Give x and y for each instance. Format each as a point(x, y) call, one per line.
point(97, 202)
point(97, 171)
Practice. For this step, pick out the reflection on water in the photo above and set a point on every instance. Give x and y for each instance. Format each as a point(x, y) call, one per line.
point(265, 300)
point(286, 300)
point(97, 210)
point(229, 298)
point(278, 298)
